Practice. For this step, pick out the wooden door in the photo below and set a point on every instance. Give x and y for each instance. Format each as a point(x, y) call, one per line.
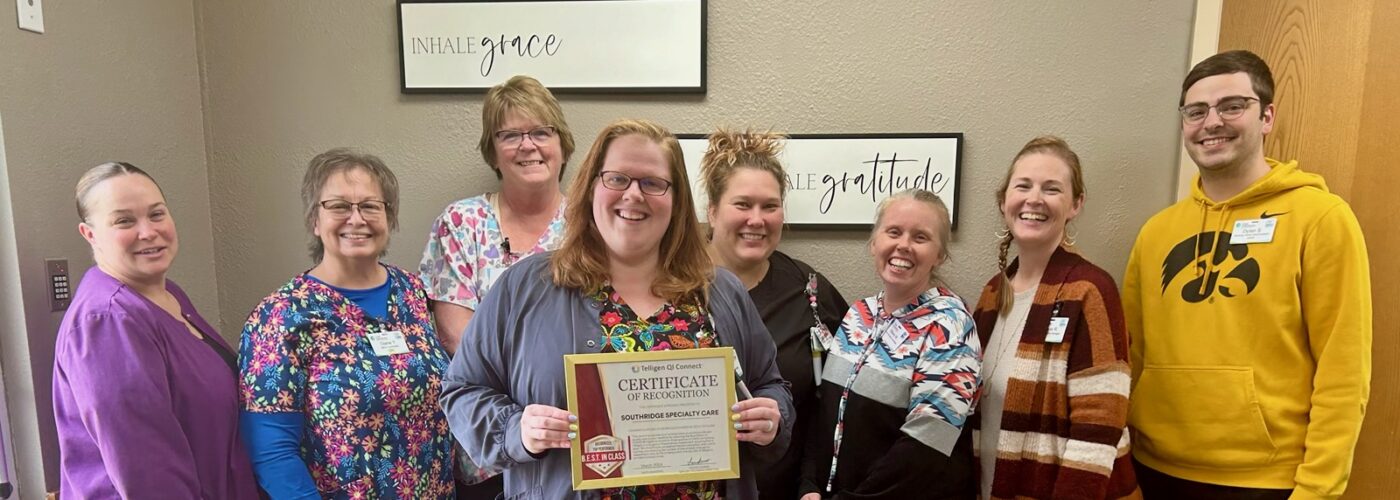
point(1336, 67)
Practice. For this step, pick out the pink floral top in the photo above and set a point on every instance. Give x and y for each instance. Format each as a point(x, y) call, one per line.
point(466, 251)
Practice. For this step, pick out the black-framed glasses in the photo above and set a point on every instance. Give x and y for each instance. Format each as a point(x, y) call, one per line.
point(1228, 108)
point(369, 209)
point(618, 181)
point(514, 138)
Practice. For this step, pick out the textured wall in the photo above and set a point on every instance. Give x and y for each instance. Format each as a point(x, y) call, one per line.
point(285, 80)
point(109, 80)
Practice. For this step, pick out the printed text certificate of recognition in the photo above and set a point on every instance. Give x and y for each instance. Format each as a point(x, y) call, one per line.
point(652, 417)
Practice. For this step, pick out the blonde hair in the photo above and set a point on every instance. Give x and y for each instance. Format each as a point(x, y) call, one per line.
point(581, 261)
point(945, 229)
point(96, 175)
point(529, 97)
point(1045, 144)
point(730, 151)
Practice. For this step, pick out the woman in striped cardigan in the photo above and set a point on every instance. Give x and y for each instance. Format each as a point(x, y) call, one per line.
point(1052, 421)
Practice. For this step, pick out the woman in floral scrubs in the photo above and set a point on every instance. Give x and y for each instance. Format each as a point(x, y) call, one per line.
point(341, 369)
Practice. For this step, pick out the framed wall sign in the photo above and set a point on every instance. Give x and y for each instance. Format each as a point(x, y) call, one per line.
point(837, 180)
point(570, 46)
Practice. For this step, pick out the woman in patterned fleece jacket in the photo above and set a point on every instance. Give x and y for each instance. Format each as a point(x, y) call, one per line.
point(1052, 416)
point(900, 375)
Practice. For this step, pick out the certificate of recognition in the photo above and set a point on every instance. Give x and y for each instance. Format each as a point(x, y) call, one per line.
point(652, 417)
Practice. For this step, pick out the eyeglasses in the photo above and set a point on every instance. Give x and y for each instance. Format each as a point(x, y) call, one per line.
point(618, 181)
point(514, 138)
point(1229, 108)
point(341, 209)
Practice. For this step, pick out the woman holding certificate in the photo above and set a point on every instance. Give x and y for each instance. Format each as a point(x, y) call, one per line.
point(631, 275)
point(901, 374)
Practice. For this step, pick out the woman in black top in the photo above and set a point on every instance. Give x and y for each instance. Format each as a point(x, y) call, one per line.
point(746, 184)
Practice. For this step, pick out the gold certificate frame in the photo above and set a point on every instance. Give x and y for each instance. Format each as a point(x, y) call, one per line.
point(652, 417)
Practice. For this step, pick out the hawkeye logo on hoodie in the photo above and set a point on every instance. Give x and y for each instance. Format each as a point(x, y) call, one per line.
point(1206, 264)
point(1217, 265)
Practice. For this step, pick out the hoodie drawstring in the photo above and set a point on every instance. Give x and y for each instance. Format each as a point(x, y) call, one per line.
point(1204, 274)
point(1197, 248)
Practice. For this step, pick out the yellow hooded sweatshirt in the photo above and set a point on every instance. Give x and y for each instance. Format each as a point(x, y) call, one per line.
point(1251, 361)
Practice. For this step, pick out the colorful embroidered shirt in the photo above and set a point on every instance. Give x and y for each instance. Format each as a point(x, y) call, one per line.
point(672, 327)
point(467, 251)
point(373, 425)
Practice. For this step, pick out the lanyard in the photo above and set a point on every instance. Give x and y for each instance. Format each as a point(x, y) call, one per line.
point(739, 384)
point(818, 333)
point(870, 346)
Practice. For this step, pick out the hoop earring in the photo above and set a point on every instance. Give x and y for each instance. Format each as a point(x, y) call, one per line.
point(1003, 233)
point(1070, 236)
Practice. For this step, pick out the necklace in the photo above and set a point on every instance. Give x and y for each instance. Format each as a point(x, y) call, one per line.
point(1014, 323)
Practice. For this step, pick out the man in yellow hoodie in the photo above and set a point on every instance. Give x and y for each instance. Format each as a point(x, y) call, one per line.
point(1249, 311)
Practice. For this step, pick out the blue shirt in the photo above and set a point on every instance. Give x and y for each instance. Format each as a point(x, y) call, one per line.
point(373, 301)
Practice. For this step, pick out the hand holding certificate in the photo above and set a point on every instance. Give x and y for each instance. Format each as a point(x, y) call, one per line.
point(757, 420)
point(660, 417)
point(543, 427)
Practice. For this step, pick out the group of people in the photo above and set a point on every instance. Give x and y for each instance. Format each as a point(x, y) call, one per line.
point(1242, 332)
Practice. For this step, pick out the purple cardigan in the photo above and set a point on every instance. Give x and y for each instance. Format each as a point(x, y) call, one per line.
point(143, 408)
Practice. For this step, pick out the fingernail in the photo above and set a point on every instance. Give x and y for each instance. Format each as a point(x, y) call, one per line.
point(734, 417)
point(738, 427)
point(734, 408)
point(573, 427)
point(573, 418)
point(573, 435)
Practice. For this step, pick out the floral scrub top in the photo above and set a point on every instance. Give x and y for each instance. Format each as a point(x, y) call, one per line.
point(374, 428)
point(466, 251)
point(672, 327)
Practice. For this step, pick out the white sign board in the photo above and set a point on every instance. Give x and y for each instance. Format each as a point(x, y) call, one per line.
point(839, 179)
point(578, 46)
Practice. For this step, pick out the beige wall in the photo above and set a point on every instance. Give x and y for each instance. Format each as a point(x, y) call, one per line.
point(285, 80)
point(109, 80)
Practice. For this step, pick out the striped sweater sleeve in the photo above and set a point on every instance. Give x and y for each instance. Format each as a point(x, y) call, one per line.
point(1098, 381)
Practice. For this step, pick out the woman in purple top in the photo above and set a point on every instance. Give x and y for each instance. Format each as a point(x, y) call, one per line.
point(145, 398)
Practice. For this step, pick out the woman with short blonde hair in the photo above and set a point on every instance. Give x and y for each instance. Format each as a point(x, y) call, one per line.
point(901, 374)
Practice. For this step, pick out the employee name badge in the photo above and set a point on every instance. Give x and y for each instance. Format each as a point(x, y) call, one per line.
point(1056, 334)
point(1253, 231)
point(388, 343)
point(893, 335)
